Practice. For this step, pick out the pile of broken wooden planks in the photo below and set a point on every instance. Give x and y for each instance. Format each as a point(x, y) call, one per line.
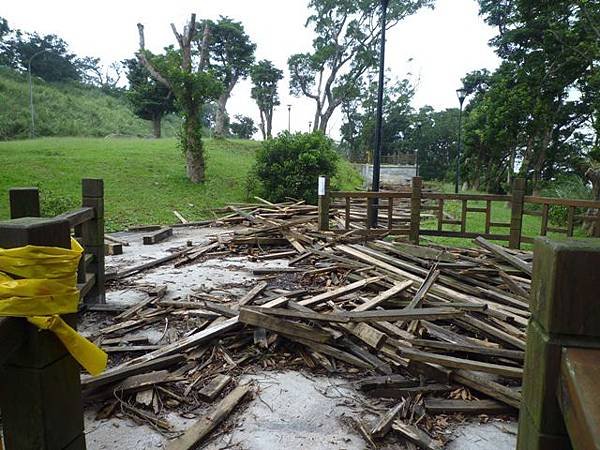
point(430, 330)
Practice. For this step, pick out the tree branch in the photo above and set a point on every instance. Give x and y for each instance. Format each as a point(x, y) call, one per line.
point(141, 55)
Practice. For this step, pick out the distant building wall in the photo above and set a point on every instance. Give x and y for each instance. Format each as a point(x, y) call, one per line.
point(390, 174)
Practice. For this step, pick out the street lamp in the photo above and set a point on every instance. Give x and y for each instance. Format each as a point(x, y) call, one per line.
point(289, 118)
point(379, 117)
point(461, 94)
point(32, 131)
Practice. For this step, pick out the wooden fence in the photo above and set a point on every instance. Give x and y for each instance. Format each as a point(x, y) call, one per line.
point(40, 391)
point(404, 211)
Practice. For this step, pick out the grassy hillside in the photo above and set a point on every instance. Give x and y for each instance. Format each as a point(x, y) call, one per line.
point(144, 178)
point(65, 110)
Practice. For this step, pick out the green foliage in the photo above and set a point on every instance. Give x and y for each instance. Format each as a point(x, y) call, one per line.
point(566, 186)
point(290, 164)
point(150, 99)
point(265, 77)
point(243, 128)
point(66, 109)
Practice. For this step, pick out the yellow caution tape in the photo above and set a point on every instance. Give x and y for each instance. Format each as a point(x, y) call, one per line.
point(46, 288)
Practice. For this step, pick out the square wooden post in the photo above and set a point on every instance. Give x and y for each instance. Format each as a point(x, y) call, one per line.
point(24, 202)
point(40, 390)
point(93, 237)
point(324, 203)
point(516, 215)
point(564, 312)
point(415, 210)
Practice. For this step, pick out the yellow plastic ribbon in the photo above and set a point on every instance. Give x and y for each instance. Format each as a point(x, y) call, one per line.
point(45, 289)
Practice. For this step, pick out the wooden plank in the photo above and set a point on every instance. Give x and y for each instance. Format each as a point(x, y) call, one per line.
point(460, 363)
point(384, 424)
point(440, 216)
point(157, 236)
point(284, 327)
point(306, 314)
point(366, 333)
point(197, 432)
point(250, 295)
point(504, 255)
point(209, 392)
point(182, 219)
point(139, 306)
point(442, 406)
point(383, 296)
point(463, 217)
point(329, 295)
point(516, 355)
point(545, 211)
point(416, 436)
point(488, 216)
point(392, 315)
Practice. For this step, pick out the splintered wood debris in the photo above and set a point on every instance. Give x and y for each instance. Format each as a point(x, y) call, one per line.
point(426, 331)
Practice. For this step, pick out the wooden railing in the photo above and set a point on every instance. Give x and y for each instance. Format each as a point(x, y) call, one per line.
point(561, 396)
point(87, 224)
point(401, 213)
point(40, 391)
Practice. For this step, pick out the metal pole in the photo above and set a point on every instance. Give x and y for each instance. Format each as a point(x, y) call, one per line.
point(289, 118)
point(379, 126)
point(309, 126)
point(457, 183)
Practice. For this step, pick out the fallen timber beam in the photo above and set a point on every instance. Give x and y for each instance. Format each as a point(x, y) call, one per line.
point(502, 253)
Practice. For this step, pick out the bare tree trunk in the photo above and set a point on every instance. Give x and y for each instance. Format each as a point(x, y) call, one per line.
point(261, 125)
point(269, 116)
point(156, 122)
point(221, 115)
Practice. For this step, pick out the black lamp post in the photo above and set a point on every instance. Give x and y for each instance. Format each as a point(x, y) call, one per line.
point(461, 94)
point(289, 118)
point(379, 116)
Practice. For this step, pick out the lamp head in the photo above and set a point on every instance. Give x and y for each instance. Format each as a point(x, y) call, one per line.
point(461, 93)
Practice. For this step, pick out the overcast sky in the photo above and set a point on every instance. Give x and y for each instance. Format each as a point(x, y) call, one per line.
point(433, 48)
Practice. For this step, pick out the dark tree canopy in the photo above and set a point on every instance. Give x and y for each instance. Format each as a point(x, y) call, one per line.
point(243, 127)
point(53, 62)
point(150, 99)
point(231, 55)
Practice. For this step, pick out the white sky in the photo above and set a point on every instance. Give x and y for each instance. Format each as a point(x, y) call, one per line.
point(442, 44)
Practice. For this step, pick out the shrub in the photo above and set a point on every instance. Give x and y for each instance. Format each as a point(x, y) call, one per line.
point(566, 186)
point(289, 165)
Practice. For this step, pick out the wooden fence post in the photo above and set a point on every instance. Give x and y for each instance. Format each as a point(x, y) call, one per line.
point(40, 390)
point(415, 210)
point(24, 202)
point(324, 203)
point(93, 236)
point(564, 312)
point(516, 215)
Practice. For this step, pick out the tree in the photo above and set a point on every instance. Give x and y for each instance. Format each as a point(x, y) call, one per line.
point(244, 127)
point(4, 31)
point(105, 77)
point(265, 77)
point(358, 129)
point(346, 47)
point(231, 56)
point(150, 99)
point(53, 61)
point(192, 85)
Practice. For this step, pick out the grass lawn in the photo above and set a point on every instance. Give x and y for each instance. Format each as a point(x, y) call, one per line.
point(476, 221)
point(144, 179)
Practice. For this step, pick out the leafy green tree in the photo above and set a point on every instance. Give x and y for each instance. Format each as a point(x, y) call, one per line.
point(243, 128)
point(231, 56)
point(290, 165)
point(358, 129)
point(53, 62)
point(150, 99)
point(107, 78)
point(346, 47)
point(191, 83)
point(4, 32)
point(265, 77)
